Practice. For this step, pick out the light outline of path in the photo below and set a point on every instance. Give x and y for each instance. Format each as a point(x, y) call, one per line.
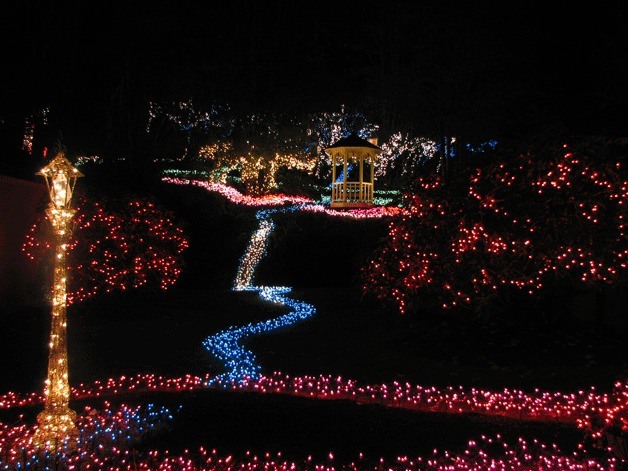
point(226, 346)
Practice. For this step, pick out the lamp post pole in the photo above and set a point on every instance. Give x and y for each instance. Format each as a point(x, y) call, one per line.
point(56, 422)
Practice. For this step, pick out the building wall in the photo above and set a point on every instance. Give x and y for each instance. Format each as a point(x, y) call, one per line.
point(21, 203)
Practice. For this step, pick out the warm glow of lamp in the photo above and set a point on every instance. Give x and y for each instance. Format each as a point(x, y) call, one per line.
point(56, 422)
point(60, 178)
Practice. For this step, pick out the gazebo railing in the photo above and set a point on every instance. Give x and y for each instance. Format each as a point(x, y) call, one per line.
point(356, 192)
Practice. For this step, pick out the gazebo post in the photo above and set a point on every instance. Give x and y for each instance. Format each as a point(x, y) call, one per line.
point(361, 192)
point(344, 178)
point(372, 177)
point(333, 177)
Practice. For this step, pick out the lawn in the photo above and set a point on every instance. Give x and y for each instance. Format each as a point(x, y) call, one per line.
point(161, 332)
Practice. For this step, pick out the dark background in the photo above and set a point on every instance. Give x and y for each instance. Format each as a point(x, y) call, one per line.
point(514, 69)
point(517, 69)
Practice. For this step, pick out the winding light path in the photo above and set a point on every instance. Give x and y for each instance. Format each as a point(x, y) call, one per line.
point(226, 345)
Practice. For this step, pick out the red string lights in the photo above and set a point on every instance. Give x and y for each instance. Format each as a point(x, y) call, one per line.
point(590, 410)
point(117, 248)
point(521, 225)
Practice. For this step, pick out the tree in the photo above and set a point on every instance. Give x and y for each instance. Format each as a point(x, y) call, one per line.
point(116, 245)
point(326, 128)
point(257, 147)
point(189, 120)
point(548, 218)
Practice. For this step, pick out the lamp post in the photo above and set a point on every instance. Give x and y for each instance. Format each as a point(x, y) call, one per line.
point(56, 422)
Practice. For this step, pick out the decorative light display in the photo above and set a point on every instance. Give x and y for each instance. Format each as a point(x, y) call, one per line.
point(29, 135)
point(590, 410)
point(405, 154)
point(219, 155)
point(368, 213)
point(56, 421)
point(185, 117)
point(118, 247)
point(479, 455)
point(327, 128)
point(177, 173)
point(252, 165)
point(482, 147)
point(104, 438)
point(243, 371)
point(381, 198)
point(226, 346)
point(404, 157)
point(41, 117)
point(235, 196)
point(257, 145)
point(258, 171)
point(88, 159)
point(104, 442)
point(254, 252)
point(520, 227)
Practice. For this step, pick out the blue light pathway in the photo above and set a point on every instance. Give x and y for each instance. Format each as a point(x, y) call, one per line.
point(226, 345)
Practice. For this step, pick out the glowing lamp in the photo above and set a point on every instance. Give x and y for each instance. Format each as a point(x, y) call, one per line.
point(56, 422)
point(60, 178)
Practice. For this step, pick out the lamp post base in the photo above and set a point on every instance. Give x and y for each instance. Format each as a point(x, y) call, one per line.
point(56, 430)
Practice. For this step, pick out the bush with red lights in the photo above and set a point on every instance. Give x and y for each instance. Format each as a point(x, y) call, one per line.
point(545, 218)
point(116, 245)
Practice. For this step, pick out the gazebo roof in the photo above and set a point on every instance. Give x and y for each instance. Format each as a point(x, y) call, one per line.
point(353, 140)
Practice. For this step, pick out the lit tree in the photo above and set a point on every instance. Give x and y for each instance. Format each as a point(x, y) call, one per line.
point(117, 246)
point(185, 116)
point(519, 226)
point(326, 128)
point(403, 156)
point(220, 157)
point(258, 147)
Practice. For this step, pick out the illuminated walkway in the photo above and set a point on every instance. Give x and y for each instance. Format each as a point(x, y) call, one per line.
point(227, 345)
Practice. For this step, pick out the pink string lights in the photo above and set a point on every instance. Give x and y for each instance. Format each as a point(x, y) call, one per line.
point(587, 409)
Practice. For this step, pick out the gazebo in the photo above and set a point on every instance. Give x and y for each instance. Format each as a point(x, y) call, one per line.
point(350, 189)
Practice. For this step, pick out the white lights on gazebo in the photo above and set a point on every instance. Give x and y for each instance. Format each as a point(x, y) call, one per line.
point(351, 189)
point(56, 422)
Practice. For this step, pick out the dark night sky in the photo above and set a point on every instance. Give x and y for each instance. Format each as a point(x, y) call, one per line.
point(472, 66)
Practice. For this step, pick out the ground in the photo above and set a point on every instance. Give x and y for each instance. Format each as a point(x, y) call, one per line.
point(350, 335)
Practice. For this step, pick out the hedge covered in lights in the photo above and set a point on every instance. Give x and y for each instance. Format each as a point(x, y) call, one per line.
point(519, 225)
